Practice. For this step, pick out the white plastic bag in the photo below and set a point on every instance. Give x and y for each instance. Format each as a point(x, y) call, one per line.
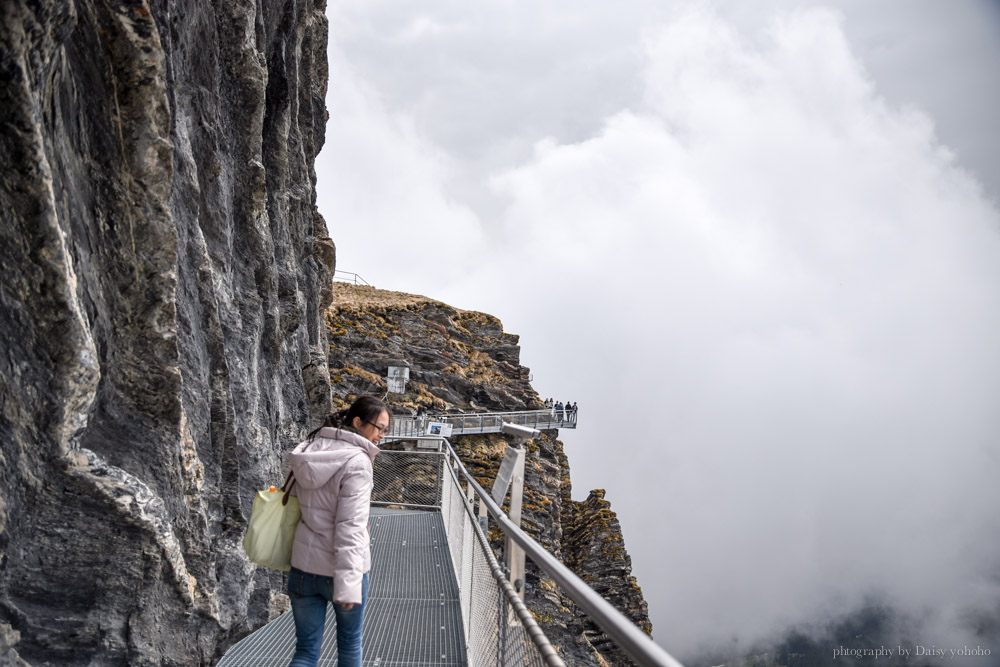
point(271, 531)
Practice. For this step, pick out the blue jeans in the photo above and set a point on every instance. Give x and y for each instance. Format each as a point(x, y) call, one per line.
point(309, 594)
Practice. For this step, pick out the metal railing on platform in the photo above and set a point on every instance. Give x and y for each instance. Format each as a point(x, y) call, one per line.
point(615, 624)
point(480, 422)
point(499, 628)
point(349, 277)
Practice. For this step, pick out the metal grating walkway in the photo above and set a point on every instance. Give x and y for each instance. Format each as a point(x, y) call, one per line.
point(413, 617)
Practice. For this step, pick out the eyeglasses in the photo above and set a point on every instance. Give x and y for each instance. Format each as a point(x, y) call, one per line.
point(381, 429)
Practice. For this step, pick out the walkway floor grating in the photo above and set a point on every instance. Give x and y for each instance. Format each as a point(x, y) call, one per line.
point(413, 617)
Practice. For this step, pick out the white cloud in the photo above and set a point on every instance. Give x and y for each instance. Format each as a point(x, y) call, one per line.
point(774, 294)
point(382, 188)
point(777, 301)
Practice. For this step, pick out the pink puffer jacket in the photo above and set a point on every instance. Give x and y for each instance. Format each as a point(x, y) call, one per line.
point(333, 481)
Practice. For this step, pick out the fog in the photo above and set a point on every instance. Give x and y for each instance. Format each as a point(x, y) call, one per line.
point(743, 243)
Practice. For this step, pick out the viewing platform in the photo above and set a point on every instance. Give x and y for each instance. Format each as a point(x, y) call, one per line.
point(477, 422)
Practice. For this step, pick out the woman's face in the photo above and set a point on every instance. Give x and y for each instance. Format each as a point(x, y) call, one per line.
point(374, 431)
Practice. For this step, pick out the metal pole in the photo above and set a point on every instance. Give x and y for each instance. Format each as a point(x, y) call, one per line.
point(513, 553)
point(468, 525)
point(484, 518)
point(502, 623)
point(440, 482)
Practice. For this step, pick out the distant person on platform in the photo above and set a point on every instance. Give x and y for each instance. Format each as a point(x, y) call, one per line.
point(574, 410)
point(559, 411)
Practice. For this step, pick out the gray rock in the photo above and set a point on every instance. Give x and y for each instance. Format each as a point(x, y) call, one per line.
point(8, 639)
point(165, 271)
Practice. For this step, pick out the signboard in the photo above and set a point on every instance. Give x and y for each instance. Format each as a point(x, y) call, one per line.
point(506, 473)
point(438, 428)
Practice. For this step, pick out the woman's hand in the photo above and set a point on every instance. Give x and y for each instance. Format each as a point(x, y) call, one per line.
point(346, 605)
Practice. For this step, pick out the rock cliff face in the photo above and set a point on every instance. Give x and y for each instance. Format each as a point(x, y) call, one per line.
point(463, 361)
point(458, 359)
point(164, 275)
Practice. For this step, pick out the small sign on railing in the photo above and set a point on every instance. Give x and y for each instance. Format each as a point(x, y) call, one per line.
point(439, 428)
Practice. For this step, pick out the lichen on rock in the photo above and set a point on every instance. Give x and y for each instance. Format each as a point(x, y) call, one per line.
point(459, 360)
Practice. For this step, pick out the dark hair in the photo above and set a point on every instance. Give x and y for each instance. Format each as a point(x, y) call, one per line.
point(368, 408)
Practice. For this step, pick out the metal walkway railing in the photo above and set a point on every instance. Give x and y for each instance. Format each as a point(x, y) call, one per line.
point(349, 277)
point(616, 625)
point(438, 594)
point(479, 422)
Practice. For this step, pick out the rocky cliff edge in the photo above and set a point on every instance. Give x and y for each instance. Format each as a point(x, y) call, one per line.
point(463, 361)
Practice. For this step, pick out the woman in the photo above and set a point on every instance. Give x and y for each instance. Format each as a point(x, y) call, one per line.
point(331, 555)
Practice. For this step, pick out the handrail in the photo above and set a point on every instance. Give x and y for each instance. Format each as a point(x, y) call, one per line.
point(512, 413)
point(354, 278)
point(637, 643)
point(465, 423)
point(537, 636)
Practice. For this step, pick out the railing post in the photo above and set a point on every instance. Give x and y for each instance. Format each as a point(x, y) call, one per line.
point(484, 518)
point(502, 630)
point(513, 553)
point(440, 483)
point(469, 561)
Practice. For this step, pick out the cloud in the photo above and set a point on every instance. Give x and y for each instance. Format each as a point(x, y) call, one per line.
point(776, 299)
point(774, 294)
point(383, 190)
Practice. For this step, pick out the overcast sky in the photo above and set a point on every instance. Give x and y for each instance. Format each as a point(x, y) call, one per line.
point(757, 242)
